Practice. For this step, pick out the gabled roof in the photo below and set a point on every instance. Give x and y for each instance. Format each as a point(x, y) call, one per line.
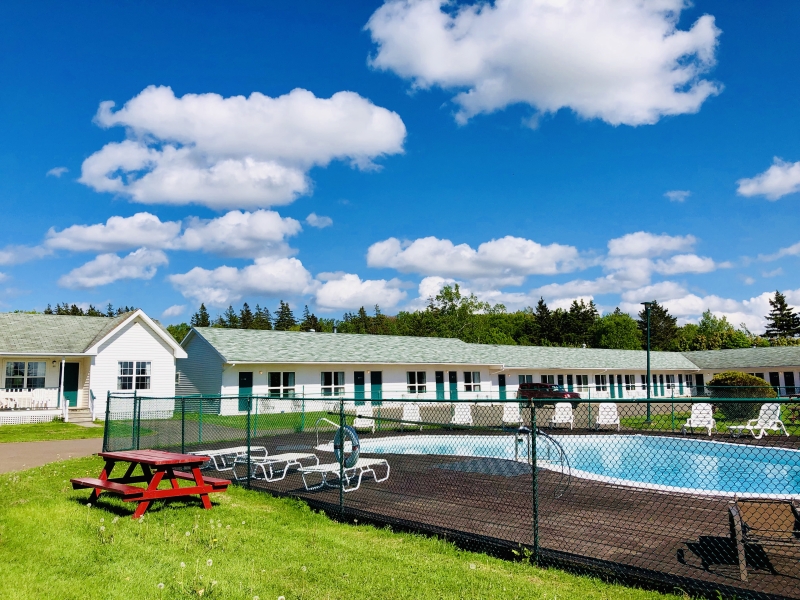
point(292, 347)
point(741, 358)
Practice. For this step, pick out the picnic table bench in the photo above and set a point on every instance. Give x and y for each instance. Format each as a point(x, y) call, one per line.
point(156, 466)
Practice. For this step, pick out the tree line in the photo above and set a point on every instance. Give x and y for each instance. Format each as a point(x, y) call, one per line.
point(452, 314)
point(75, 310)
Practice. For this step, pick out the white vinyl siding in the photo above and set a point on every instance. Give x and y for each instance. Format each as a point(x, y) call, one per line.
point(201, 372)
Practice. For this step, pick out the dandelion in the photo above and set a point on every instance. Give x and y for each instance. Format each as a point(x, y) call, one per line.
point(281, 597)
point(255, 598)
point(211, 521)
point(183, 565)
point(188, 534)
point(219, 525)
point(303, 568)
point(243, 524)
point(160, 586)
point(102, 528)
point(227, 526)
point(209, 562)
point(102, 520)
point(88, 505)
point(114, 520)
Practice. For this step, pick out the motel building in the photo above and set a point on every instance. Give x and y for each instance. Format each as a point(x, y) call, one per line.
point(308, 370)
point(64, 366)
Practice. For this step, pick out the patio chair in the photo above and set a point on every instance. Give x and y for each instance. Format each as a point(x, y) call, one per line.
point(224, 459)
point(562, 415)
point(701, 418)
point(411, 415)
point(511, 414)
point(769, 417)
point(364, 418)
point(267, 465)
point(763, 523)
point(462, 414)
point(607, 414)
point(355, 473)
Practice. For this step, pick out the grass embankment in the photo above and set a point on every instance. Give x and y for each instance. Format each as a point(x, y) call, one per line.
point(55, 430)
point(250, 545)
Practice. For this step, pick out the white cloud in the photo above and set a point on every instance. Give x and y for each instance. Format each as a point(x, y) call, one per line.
point(677, 195)
point(271, 277)
point(173, 311)
point(508, 259)
point(748, 280)
point(349, 291)
point(623, 61)
point(773, 273)
point(235, 152)
point(117, 233)
point(793, 250)
point(687, 263)
point(318, 221)
point(644, 244)
point(108, 268)
point(780, 179)
point(13, 255)
point(660, 292)
point(57, 171)
point(240, 234)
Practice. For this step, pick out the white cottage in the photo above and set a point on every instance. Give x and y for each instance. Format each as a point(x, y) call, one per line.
point(60, 365)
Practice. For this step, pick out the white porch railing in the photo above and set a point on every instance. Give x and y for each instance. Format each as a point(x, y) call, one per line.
point(36, 399)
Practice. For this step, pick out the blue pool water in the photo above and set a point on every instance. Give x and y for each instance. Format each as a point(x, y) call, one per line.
point(677, 464)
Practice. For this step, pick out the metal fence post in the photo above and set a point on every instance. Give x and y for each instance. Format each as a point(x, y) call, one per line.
point(249, 410)
point(105, 427)
point(535, 486)
point(341, 461)
point(137, 416)
point(183, 425)
point(673, 410)
point(255, 420)
point(303, 414)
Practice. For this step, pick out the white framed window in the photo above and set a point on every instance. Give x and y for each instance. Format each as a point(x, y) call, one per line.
point(416, 381)
point(630, 383)
point(670, 381)
point(472, 381)
point(582, 383)
point(332, 383)
point(548, 379)
point(143, 375)
point(281, 384)
point(125, 375)
point(133, 375)
point(28, 376)
point(600, 383)
point(526, 378)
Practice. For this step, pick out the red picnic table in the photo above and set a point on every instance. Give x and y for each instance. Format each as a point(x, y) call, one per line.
point(156, 466)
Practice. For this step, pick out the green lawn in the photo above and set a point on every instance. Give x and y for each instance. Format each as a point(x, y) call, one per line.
point(292, 421)
point(55, 430)
point(666, 422)
point(250, 545)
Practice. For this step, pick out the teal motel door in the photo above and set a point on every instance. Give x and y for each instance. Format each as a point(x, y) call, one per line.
point(358, 383)
point(452, 377)
point(245, 389)
point(71, 371)
point(501, 383)
point(619, 386)
point(611, 386)
point(376, 387)
point(440, 385)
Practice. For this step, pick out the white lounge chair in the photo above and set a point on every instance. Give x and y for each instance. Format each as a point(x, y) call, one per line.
point(769, 417)
point(224, 459)
point(267, 465)
point(462, 414)
point(511, 414)
point(411, 415)
point(700, 418)
point(364, 418)
point(562, 415)
point(355, 473)
point(607, 415)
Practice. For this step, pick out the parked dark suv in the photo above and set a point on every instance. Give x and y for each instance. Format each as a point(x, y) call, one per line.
point(537, 391)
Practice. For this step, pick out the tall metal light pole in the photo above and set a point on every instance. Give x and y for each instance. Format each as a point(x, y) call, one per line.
point(647, 306)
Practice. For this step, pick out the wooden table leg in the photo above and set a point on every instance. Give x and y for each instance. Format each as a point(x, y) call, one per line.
point(104, 474)
point(153, 485)
point(198, 478)
point(172, 479)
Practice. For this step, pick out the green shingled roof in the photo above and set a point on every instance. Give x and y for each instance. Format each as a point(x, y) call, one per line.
point(778, 356)
point(286, 347)
point(22, 333)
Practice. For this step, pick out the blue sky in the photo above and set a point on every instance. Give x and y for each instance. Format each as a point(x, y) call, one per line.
point(340, 154)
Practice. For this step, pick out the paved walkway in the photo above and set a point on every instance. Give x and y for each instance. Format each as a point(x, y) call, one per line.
point(26, 455)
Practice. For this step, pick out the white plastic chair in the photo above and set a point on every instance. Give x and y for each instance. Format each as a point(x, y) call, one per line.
point(362, 467)
point(462, 414)
point(411, 415)
point(562, 415)
point(769, 417)
point(607, 415)
point(701, 418)
point(364, 418)
point(511, 414)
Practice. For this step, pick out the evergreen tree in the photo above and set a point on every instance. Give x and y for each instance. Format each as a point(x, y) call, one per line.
point(109, 310)
point(782, 321)
point(663, 328)
point(231, 319)
point(262, 319)
point(616, 330)
point(246, 317)
point(310, 321)
point(284, 320)
point(48, 310)
point(199, 319)
point(93, 312)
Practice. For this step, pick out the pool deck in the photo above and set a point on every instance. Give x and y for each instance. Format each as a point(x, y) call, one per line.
point(662, 536)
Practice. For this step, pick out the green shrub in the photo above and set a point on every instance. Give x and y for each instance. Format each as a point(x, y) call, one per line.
point(733, 384)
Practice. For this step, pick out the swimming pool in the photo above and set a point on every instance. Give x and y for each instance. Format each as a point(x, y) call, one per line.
point(654, 462)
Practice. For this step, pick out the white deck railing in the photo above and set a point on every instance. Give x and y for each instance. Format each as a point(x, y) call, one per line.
point(36, 399)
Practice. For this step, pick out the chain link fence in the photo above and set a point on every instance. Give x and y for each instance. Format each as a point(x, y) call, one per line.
point(698, 494)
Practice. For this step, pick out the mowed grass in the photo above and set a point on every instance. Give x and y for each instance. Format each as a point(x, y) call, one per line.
point(55, 430)
point(668, 422)
point(249, 545)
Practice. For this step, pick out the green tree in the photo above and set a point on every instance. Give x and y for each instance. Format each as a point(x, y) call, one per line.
point(577, 323)
point(310, 321)
point(230, 319)
point(179, 331)
point(663, 328)
point(262, 319)
point(284, 320)
point(616, 330)
point(782, 321)
point(246, 317)
point(199, 319)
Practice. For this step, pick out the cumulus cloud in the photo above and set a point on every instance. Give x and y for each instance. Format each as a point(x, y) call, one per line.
point(117, 233)
point(677, 195)
point(644, 244)
point(622, 61)
point(225, 285)
point(780, 179)
point(57, 171)
point(16, 254)
point(508, 259)
point(235, 152)
point(173, 311)
point(349, 291)
point(318, 221)
point(108, 268)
